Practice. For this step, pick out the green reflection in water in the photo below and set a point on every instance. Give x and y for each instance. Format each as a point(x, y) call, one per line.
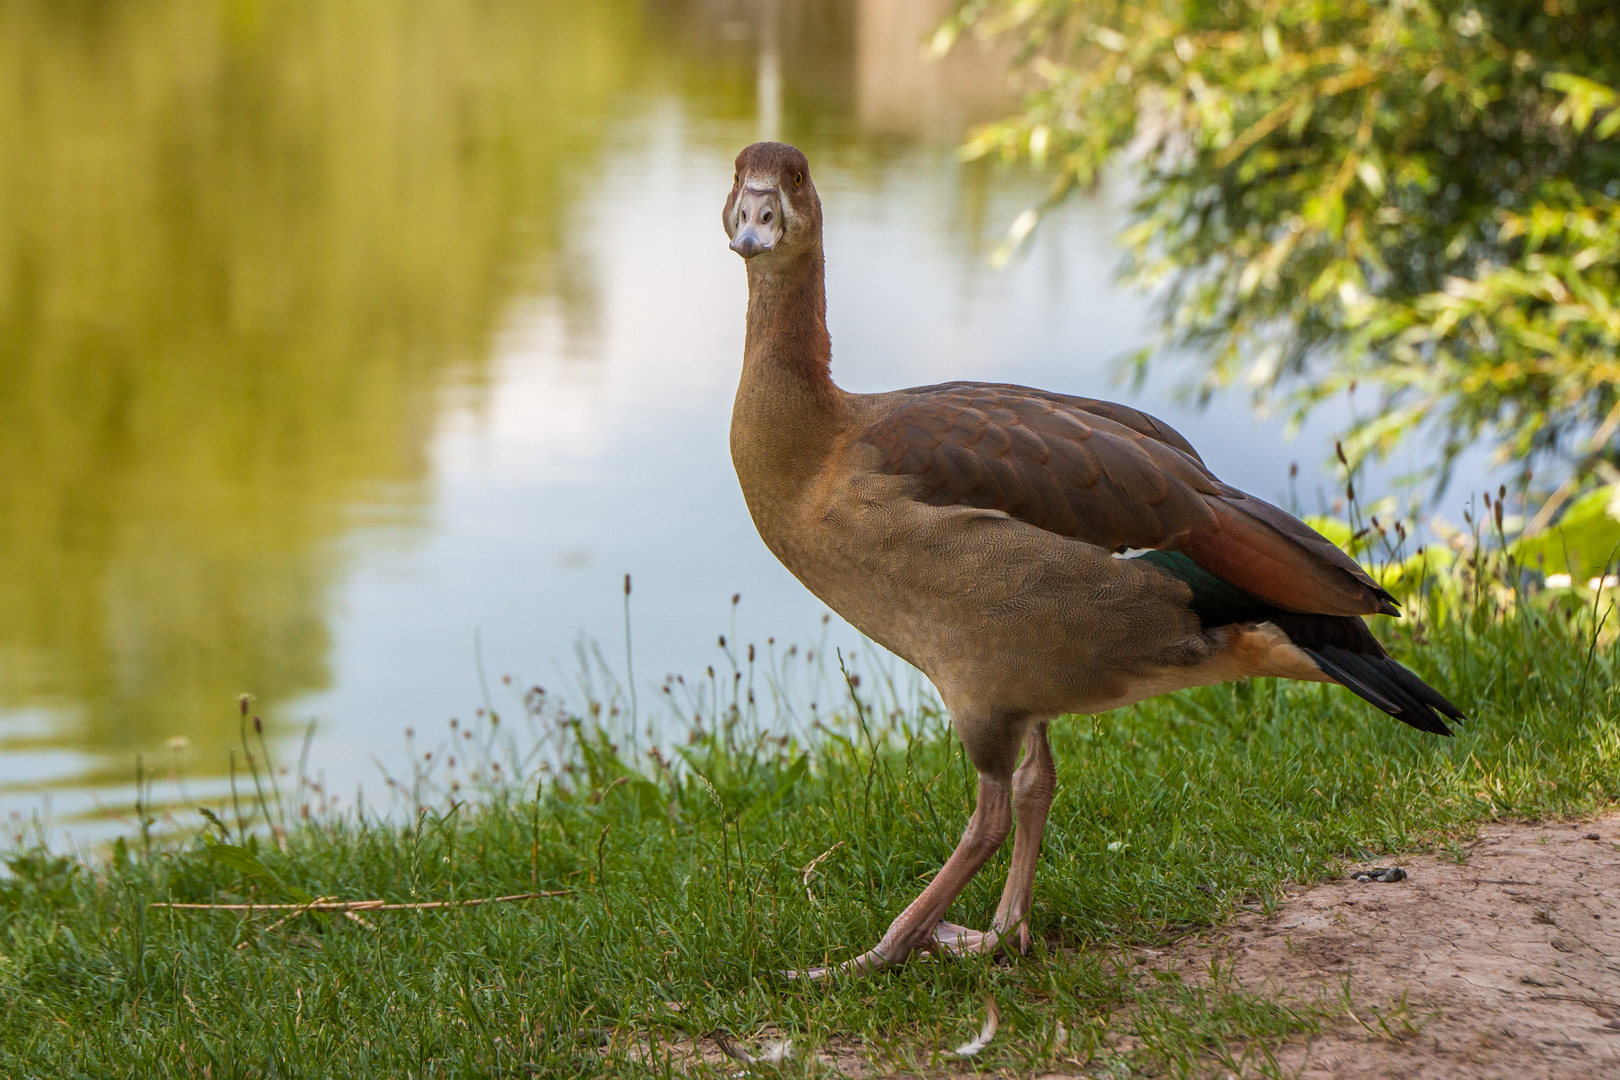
point(243, 246)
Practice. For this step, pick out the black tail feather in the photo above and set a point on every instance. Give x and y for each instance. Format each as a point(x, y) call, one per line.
point(1347, 652)
point(1384, 682)
point(1324, 660)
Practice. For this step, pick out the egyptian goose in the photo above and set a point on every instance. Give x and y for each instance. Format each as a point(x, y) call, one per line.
point(1034, 554)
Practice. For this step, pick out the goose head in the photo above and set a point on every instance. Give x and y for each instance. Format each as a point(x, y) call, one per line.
point(773, 210)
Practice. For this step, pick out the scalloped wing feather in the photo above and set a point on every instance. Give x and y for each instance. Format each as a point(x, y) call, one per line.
point(1114, 477)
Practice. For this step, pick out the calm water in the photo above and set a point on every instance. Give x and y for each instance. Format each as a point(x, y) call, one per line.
point(340, 341)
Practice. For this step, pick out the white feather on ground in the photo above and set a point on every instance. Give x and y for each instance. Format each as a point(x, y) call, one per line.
point(770, 1053)
point(992, 1021)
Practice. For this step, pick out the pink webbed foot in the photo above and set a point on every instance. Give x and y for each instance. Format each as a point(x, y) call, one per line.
point(950, 939)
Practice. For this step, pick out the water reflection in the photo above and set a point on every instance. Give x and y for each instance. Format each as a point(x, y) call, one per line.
point(337, 336)
point(242, 249)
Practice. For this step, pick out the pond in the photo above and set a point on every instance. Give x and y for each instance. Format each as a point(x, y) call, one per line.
point(353, 351)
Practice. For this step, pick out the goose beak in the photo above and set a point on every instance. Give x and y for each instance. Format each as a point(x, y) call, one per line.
point(756, 223)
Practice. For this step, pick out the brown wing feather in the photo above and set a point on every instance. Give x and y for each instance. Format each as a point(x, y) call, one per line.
point(1114, 477)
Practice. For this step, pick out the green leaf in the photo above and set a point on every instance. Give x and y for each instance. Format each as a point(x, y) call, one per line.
point(1582, 543)
point(773, 798)
point(239, 859)
point(637, 796)
point(246, 863)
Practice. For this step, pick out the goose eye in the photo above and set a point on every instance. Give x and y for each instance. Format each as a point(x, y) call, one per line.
point(798, 178)
point(736, 177)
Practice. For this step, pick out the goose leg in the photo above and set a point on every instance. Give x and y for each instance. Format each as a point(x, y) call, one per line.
point(921, 925)
point(1032, 788)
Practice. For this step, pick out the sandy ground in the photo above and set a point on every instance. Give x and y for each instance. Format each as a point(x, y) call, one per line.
point(1507, 965)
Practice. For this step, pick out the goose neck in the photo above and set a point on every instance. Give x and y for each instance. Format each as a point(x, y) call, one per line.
point(788, 345)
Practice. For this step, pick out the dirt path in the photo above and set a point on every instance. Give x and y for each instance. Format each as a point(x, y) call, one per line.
point(1508, 964)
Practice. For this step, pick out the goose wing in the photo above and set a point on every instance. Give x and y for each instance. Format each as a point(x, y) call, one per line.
point(1111, 476)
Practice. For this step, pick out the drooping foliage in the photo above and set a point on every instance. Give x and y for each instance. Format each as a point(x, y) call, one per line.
point(1419, 196)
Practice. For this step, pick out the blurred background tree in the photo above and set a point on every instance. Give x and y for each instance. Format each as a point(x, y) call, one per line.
point(1418, 196)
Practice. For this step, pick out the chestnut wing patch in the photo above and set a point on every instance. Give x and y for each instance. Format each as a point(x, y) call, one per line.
point(1108, 475)
point(1045, 461)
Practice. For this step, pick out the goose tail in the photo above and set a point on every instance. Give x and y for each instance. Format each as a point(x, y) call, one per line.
point(1345, 650)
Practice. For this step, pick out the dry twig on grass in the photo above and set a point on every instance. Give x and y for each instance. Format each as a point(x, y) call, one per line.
point(328, 904)
point(346, 908)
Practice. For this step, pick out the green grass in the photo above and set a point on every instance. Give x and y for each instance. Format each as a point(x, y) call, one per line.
point(686, 884)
